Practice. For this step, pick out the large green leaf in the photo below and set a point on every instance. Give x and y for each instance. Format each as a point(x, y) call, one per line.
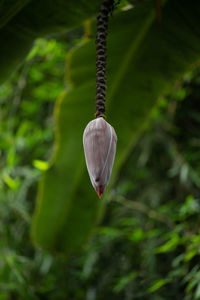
point(144, 60)
point(24, 20)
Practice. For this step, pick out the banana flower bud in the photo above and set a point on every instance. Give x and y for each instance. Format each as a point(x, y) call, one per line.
point(99, 142)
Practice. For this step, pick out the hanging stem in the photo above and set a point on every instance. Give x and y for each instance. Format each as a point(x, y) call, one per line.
point(106, 8)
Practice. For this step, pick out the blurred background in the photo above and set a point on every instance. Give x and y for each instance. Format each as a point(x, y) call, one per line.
point(147, 245)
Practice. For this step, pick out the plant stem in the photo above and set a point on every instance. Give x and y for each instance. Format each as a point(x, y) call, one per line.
point(106, 8)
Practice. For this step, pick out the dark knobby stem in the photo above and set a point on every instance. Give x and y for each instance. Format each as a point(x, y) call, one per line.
point(106, 8)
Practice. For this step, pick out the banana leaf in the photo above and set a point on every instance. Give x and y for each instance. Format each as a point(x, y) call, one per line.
point(145, 58)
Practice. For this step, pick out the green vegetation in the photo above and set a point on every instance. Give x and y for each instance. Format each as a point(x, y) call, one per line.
point(146, 245)
point(137, 70)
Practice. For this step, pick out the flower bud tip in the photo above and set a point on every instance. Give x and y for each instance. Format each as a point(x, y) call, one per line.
point(99, 195)
point(99, 191)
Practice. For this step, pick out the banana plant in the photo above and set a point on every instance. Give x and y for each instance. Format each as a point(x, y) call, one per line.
point(145, 58)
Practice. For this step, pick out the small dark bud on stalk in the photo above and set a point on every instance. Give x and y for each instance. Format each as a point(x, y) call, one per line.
point(99, 141)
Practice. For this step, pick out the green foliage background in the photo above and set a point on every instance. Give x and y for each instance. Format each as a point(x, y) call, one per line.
point(147, 244)
point(142, 65)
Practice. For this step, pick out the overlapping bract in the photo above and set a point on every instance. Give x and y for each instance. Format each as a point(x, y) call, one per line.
point(99, 141)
